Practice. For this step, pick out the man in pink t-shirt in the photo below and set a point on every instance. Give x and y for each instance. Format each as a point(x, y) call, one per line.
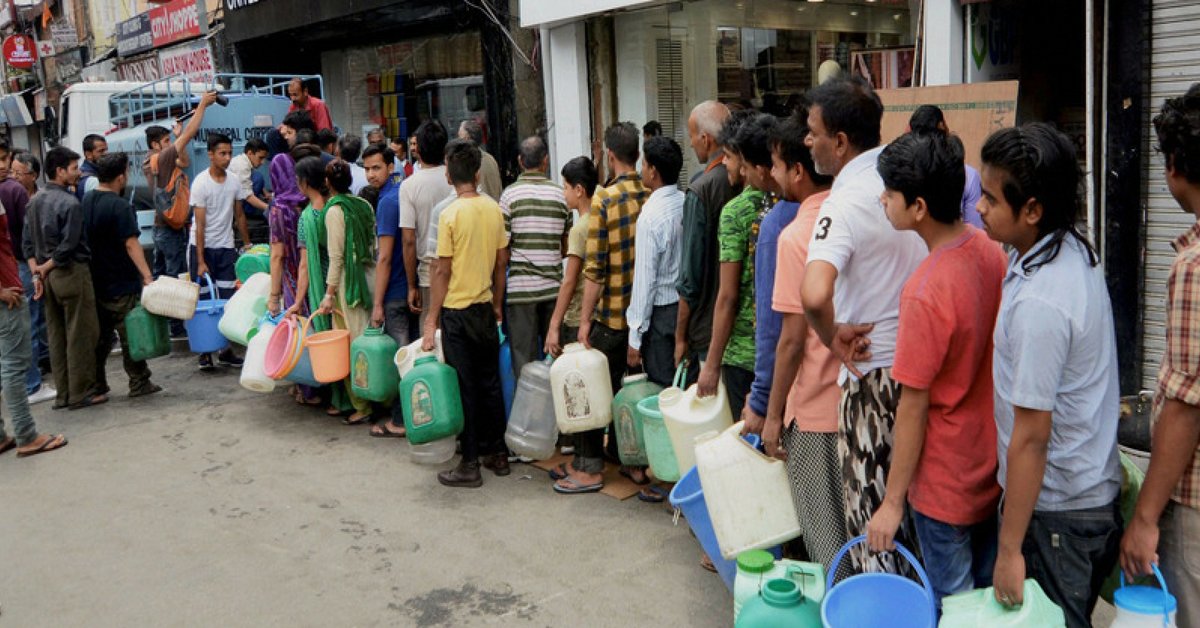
point(302, 101)
point(801, 421)
point(944, 449)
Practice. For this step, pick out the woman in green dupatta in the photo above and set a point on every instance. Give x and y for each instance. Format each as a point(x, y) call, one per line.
point(337, 263)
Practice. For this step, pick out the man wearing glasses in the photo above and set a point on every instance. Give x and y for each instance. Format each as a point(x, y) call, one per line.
point(18, 182)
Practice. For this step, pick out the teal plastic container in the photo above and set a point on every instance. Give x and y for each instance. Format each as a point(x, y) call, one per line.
point(660, 453)
point(373, 374)
point(780, 604)
point(627, 423)
point(430, 401)
point(979, 607)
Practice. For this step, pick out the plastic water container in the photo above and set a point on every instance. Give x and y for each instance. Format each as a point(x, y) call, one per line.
point(373, 374)
point(781, 604)
point(878, 599)
point(145, 219)
point(583, 393)
point(659, 450)
point(508, 382)
point(438, 451)
point(430, 401)
point(749, 498)
point(979, 607)
point(627, 424)
point(532, 429)
point(245, 309)
point(254, 369)
point(255, 260)
point(407, 355)
point(149, 336)
point(687, 415)
point(203, 329)
point(1144, 607)
point(756, 567)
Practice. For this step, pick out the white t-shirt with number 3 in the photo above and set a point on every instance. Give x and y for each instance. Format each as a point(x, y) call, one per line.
point(873, 260)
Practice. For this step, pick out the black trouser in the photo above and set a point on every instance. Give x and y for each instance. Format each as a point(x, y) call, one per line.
point(658, 345)
point(589, 445)
point(737, 387)
point(471, 343)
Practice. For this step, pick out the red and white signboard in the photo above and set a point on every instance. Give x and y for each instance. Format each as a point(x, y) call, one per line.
point(193, 59)
point(19, 51)
point(140, 70)
point(45, 48)
point(175, 21)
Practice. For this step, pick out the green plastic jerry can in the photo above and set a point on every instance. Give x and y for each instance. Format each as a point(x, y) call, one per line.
point(627, 423)
point(373, 374)
point(430, 401)
point(780, 604)
point(980, 608)
point(149, 336)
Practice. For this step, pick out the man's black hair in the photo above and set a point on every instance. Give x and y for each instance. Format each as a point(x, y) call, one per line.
point(581, 171)
point(788, 141)
point(622, 139)
point(1177, 126)
point(256, 145)
point(850, 106)
point(326, 138)
point(299, 120)
point(111, 166)
point(59, 157)
point(753, 139)
point(666, 156)
point(462, 158)
point(431, 142)
point(90, 140)
point(927, 166)
point(533, 152)
point(383, 150)
point(926, 119)
point(728, 135)
point(349, 148)
point(305, 136)
point(216, 139)
point(155, 133)
point(31, 161)
point(652, 128)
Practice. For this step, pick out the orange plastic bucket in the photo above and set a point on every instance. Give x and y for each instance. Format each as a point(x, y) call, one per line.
point(329, 352)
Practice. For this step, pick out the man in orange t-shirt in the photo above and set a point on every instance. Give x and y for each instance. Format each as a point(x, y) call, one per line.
point(944, 449)
point(302, 101)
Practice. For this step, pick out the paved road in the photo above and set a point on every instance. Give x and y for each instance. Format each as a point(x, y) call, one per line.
point(210, 505)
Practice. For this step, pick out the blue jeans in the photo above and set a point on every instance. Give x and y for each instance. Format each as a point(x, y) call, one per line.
point(39, 347)
point(957, 558)
point(15, 355)
point(1070, 553)
point(170, 258)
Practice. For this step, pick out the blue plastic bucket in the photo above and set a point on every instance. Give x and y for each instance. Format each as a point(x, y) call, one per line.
point(878, 599)
point(203, 329)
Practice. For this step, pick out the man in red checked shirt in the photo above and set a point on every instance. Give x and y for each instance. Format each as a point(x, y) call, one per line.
point(302, 101)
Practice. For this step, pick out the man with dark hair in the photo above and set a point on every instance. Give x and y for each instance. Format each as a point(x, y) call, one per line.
point(163, 160)
point(651, 129)
point(489, 172)
point(94, 147)
point(216, 207)
point(295, 122)
point(14, 197)
point(1166, 520)
point(242, 169)
point(349, 148)
point(857, 265)
point(303, 102)
point(608, 270)
point(328, 141)
point(419, 194)
point(944, 449)
point(929, 119)
point(709, 191)
point(467, 296)
point(536, 221)
point(654, 303)
point(118, 267)
point(55, 244)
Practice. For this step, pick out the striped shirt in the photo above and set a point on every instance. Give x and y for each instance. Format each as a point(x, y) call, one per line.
point(656, 263)
point(536, 218)
point(612, 225)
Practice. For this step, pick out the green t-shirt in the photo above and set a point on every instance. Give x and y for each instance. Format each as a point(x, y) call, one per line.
point(737, 236)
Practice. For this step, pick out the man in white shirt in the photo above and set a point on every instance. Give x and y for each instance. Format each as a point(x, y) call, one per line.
point(349, 149)
point(418, 195)
point(654, 305)
point(857, 266)
point(216, 200)
point(242, 168)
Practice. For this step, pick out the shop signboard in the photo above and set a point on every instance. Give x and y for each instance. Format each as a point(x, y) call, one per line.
point(68, 66)
point(141, 70)
point(63, 33)
point(233, 5)
point(193, 59)
point(134, 36)
point(19, 51)
point(173, 22)
point(973, 111)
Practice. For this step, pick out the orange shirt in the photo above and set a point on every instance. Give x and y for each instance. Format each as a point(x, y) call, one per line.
point(813, 401)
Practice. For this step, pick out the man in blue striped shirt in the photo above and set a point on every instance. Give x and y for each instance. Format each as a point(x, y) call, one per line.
point(654, 304)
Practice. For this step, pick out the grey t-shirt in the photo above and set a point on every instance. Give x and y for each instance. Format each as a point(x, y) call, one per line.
point(418, 195)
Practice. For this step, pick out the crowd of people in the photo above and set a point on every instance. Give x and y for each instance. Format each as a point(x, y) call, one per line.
point(930, 347)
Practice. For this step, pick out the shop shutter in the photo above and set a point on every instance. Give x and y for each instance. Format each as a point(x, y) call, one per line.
point(1174, 66)
point(669, 78)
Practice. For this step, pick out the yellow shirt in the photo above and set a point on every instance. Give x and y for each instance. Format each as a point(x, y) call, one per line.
point(470, 231)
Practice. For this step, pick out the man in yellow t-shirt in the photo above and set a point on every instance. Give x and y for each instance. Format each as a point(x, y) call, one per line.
point(466, 298)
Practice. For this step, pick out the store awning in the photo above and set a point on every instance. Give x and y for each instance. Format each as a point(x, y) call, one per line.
point(554, 12)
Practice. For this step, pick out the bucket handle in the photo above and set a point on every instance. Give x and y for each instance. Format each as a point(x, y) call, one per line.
point(212, 291)
point(912, 560)
point(308, 322)
point(680, 374)
point(1162, 583)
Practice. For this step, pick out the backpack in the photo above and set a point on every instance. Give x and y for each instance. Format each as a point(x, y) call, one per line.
point(171, 202)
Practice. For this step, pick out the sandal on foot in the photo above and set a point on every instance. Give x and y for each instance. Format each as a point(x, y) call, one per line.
point(706, 563)
point(92, 400)
point(627, 473)
point(381, 430)
point(576, 488)
point(50, 444)
point(652, 495)
point(559, 472)
point(7, 444)
point(362, 419)
point(142, 391)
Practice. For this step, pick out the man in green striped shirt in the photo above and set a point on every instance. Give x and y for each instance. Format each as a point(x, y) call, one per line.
point(538, 222)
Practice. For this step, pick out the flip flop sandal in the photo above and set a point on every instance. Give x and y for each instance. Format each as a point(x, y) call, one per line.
point(363, 420)
point(8, 444)
point(559, 472)
point(629, 474)
point(577, 488)
point(93, 400)
point(145, 390)
point(706, 564)
point(52, 443)
point(381, 431)
point(657, 495)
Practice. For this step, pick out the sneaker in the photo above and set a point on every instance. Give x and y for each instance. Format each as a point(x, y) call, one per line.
point(206, 362)
point(228, 358)
point(45, 393)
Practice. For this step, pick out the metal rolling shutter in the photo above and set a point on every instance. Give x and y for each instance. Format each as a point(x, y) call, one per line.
point(1174, 66)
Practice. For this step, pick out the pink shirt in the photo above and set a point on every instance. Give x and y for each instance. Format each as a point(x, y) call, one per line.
point(813, 401)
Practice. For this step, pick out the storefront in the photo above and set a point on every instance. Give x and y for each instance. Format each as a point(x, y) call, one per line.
point(405, 63)
point(148, 44)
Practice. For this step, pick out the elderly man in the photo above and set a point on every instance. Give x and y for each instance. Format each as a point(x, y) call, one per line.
point(489, 171)
point(302, 101)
